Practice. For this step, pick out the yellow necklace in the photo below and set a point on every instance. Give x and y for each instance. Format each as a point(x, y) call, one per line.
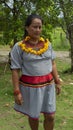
point(31, 50)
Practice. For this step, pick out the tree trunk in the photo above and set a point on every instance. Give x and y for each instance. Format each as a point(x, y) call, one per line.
point(15, 17)
point(70, 31)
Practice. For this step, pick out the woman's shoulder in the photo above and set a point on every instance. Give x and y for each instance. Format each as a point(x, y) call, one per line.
point(16, 47)
point(17, 44)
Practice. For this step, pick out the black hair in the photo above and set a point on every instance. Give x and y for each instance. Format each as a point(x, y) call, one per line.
point(29, 21)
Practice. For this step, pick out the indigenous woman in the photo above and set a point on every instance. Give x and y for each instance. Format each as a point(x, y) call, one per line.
point(34, 75)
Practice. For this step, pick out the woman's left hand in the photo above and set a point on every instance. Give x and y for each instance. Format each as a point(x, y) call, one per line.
point(58, 89)
point(58, 84)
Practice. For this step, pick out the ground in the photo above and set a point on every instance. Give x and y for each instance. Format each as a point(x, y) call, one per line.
point(64, 55)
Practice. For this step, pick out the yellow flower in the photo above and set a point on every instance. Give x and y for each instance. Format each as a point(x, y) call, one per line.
point(27, 38)
point(31, 50)
point(41, 39)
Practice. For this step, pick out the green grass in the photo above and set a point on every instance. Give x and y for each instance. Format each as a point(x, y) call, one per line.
point(59, 40)
point(11, 120)
point(64, 114)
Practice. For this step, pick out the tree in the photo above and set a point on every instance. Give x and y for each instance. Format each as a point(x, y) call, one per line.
point(67, 9)
point(17, 11)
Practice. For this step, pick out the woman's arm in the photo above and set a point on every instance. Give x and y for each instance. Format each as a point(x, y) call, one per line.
point(56, 77)
point(15, 80)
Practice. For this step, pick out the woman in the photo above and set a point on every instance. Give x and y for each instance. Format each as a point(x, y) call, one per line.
point(34, 75)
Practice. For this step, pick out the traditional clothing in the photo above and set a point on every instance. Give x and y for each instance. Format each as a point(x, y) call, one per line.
point(36, 81)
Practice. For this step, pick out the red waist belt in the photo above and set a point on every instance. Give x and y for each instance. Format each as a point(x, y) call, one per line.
point(36, 79)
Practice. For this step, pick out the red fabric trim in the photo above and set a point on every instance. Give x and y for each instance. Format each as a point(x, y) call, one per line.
point(34, 118)
point(50, 113)
point(36, 85)
point(36, 79)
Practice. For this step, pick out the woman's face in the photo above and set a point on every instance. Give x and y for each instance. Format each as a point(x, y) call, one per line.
point(35, 28)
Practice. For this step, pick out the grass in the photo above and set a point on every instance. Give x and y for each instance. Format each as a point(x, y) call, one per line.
point(11, 120)
point(59, 40)
point(64, 114)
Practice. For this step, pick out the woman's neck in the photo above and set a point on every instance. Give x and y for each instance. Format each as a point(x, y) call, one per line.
point(33, 41)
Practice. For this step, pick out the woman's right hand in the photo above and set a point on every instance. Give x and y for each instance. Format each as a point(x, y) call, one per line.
point(18, 99)
point(17, 93)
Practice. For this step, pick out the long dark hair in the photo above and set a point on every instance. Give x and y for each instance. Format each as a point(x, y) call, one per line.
point(29, 21)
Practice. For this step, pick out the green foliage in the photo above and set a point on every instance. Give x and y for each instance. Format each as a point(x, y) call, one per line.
point(59, 40)
point(13, 15)
point(47, 30)
point(66, 8)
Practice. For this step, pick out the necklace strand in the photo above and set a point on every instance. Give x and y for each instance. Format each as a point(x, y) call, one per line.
point(31, 50)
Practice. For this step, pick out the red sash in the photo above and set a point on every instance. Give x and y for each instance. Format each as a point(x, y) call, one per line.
point(35, 80)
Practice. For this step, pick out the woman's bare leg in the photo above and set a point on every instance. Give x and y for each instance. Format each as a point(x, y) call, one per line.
point(33, 123)
point(49, 121)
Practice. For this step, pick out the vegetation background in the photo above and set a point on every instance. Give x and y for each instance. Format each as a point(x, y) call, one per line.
point(58, 21)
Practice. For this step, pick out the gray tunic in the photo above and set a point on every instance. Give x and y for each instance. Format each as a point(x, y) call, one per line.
point(30, 64)
point(35, 100)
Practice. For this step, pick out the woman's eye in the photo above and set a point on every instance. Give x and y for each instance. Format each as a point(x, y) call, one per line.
point(37, 27)
point(40, 27)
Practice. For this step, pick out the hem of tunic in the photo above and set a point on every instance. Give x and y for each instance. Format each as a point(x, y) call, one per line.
point(35, 118)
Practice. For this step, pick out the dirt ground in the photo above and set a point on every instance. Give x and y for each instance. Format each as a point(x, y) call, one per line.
point(63, 55)
point(4, 56)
